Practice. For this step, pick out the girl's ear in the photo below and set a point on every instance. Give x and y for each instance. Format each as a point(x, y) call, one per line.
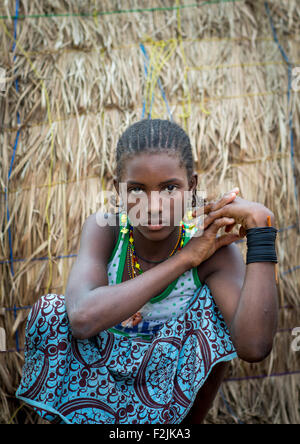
point(193, 182)
point(116, 185)
point(121, 192)
point(193, 187)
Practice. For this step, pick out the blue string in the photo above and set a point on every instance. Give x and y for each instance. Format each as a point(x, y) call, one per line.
point(15, 144)
point(146, 75)
point(46, 258)
point(26, 307)
point(290, 75)
point(229, 409)
point(160, 87)
point(10, 170)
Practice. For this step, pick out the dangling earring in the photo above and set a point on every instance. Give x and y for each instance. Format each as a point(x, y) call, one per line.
point(124, 220)
point(189, 215)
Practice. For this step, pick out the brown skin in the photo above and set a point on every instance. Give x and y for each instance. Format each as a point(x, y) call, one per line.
point(92, 304)
point(245, 295)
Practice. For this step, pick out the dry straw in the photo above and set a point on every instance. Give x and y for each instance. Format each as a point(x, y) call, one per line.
point(82, 81)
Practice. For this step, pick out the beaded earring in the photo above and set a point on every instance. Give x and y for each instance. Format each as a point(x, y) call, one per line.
point(189, 216)
point(124, 221)
point(123, 217)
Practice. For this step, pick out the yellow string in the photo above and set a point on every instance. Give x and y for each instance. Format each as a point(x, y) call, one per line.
point(95, 14)
point(134, 45)
point(156, 54)
point(202, 105)
point(163, 105)
point(159, 56)
point(60, 182)
point(35, 124)
point(15, 412)
point(186, 112)
point(235, 65)
point(152, 69)
point(150, 79)
point(64, 182)
point(49, 188)
point(186, 92)
point(45, 92)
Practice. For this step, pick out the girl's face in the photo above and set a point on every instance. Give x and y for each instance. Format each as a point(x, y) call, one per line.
point(156, 187)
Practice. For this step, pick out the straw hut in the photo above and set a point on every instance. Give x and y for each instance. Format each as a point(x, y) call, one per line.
point(77, 73)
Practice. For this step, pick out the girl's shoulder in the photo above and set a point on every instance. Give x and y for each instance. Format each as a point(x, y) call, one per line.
point(103, 219)
point(219, 261)
point(97, 243)
point(100, 231)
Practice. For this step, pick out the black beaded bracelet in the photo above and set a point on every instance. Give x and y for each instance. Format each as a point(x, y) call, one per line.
point(261, 245)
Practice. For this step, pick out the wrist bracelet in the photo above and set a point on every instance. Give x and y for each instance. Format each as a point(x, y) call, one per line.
point(261, 245)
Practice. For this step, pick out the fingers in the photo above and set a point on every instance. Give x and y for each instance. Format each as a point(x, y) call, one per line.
point(214, 226)
point(218, 215)
point(235, 190)
point(242, 232)
point(219, 223)
point(229, 228)
point(225, 199)
point(226, 239)
point(214, 206)
point(223, 221)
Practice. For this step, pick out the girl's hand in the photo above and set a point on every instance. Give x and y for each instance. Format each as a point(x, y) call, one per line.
point(245, 213)
point(201, 248)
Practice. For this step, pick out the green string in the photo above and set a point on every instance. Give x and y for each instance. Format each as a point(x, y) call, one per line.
point(118, 11)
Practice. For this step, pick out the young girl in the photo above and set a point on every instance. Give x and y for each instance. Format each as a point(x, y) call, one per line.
point(153, 312)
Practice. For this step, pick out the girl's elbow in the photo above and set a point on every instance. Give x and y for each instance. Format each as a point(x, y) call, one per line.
point(253, 357)
point(79, 333)
point(256, 353)
point(80, 326)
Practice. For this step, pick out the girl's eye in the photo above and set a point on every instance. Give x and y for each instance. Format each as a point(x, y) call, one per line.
point(170, 188)
point(136, 190)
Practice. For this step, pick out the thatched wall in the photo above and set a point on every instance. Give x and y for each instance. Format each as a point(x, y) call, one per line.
point(81, 76)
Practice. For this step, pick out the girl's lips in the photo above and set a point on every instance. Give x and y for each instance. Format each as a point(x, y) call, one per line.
point(155, 227)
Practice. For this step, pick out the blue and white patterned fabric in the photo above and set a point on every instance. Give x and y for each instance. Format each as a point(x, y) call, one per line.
point(148, 375)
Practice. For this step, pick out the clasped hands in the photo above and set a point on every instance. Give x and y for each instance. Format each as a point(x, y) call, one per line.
point(245, 213)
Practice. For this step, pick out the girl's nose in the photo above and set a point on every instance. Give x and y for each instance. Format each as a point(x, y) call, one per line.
point(155, 206)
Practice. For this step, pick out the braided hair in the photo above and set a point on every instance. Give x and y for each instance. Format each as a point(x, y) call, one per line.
point(155, 136)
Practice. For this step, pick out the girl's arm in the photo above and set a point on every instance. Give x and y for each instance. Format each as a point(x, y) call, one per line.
point(93, 305)
point(247, 297)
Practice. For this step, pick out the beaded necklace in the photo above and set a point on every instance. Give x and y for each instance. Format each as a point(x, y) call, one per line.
point(134, 268)
point(135, 264)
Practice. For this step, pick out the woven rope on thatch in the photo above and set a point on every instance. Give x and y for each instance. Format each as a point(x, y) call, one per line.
point(77, 74)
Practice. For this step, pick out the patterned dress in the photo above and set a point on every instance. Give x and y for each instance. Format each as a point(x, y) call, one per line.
point(148, 374)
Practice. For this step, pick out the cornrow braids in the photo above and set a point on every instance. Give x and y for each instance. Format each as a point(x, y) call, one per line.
point(154, 136)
